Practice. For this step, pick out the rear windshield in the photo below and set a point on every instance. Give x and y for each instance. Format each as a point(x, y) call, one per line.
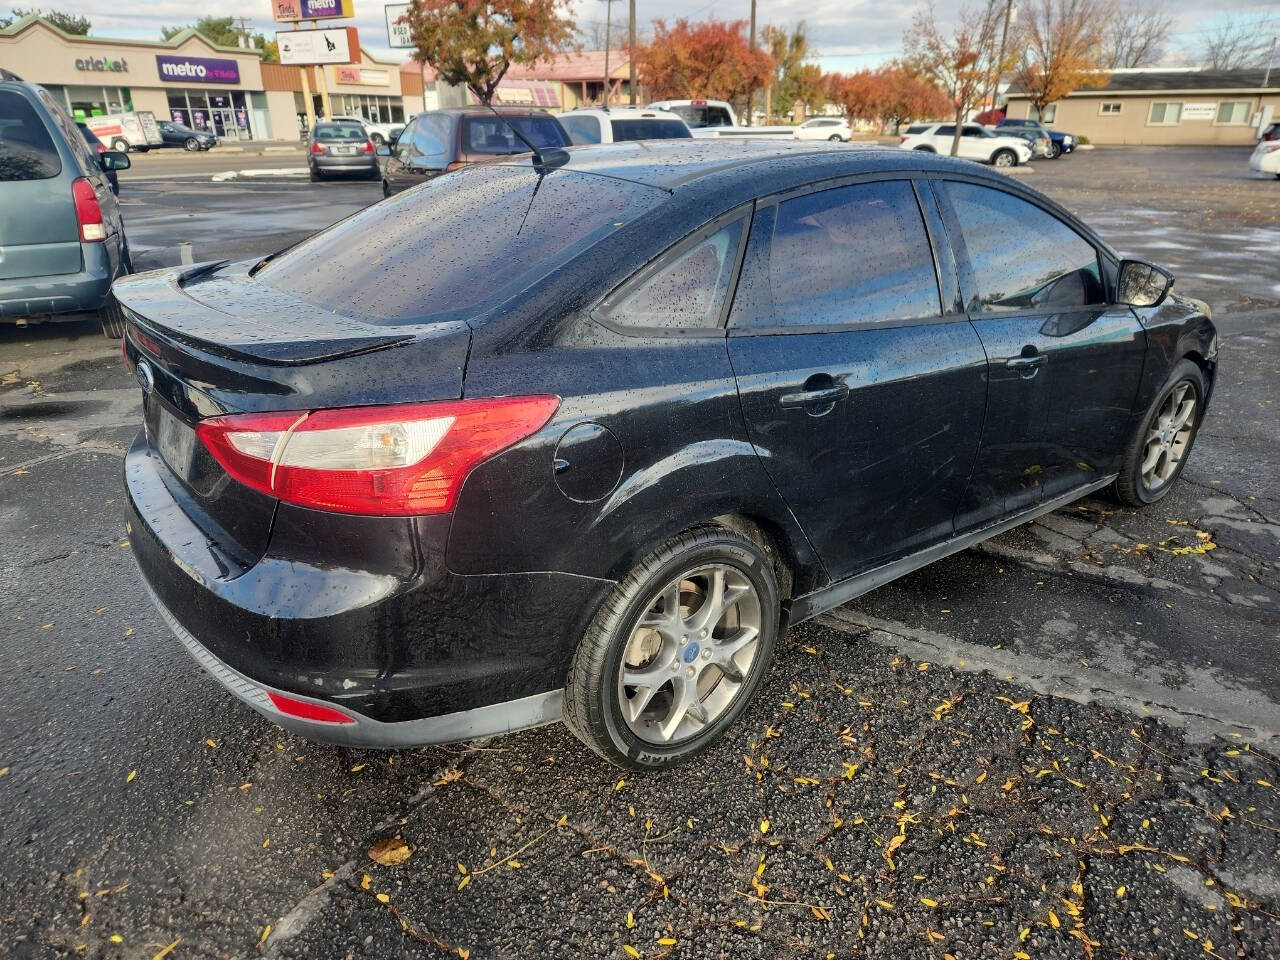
point(697, 116)
point(493, 134)
point(457, 246)
point(339, 131)
point(26, 149)
point(650, 129)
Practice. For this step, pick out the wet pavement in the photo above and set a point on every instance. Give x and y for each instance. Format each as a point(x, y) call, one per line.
point(1073, 728)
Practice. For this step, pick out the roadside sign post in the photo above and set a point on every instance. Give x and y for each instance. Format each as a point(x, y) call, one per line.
point(314, 47)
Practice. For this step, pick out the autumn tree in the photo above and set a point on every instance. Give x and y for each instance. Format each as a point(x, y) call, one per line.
point(710, 58)
point(889, 94)
point(960, 60)
point(1136, 34)
point(1061, 48)
point(474, 42)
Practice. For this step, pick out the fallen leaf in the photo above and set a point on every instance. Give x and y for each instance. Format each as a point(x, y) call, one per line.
point(928, 903)
point(1054, 921)
point(390, 852)
point(764, 826)
point(358, 767)
point(630, 950)
point(1120, 890)
point(383, 898)
point(465, 881)
point(266, 932)
point(167, 950)
point(129, 778)
point(631, 920)
point(366, 882)
point(211, 744)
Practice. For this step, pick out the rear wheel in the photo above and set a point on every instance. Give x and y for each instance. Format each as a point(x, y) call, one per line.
point(1004, 158)
point(191, 144)
point(1159, 449)
point(315, 175)
point(835, 138)
point(120, 145)
point(925, 149)
point(1055, 151)
point(676, 652)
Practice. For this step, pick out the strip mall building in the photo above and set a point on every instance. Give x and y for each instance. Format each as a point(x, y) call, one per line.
point(227, 90)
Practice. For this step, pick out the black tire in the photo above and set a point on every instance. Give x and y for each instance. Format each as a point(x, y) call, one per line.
point(836, 138)
point(925, 149)
point(191, 144)
point(112, 319)
point(120, 145)
point(315, 175)
point(377, 139)
point(1006, 153)
point(386, 189)
point(591, 708)
point(1055, 151)
point(1130, 488)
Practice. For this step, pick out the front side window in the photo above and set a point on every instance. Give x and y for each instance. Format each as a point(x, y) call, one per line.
point(945, 131)
point(1166, 113)
point(1021, 256)
point(26, 148)
point(581, 129)
point(1234, 111)
point(431, 137)
point(852, 255)
point(685, 291)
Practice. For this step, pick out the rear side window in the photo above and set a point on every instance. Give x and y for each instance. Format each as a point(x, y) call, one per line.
point(685, 289)
point(493, 135)
point(646, 128)
point(26, 148)
point(947, 131)
point(456, 247)
point(581, 130)
point(917, 128)
point(853, 255)
point(1021, 256)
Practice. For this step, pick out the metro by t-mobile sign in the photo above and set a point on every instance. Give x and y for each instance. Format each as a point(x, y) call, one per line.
point(197, 69)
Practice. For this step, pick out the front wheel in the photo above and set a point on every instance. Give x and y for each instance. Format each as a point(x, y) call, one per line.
point(836, 138)
point(191, 144)
point(120, 145)
point(675, 654)
point(925, 149)
point(1159, 449)
point(1004, 158)
point(1055, 151)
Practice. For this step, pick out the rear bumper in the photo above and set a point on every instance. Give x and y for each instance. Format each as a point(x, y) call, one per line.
point(362, 162)
point(65, 293)
point(359, 614)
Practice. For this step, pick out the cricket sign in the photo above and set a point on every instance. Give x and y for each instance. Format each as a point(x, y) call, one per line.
point(398, 35)
point(291, 11)
point(301, 48)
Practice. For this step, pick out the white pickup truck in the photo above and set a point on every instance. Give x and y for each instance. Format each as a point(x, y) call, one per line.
point(379, 133)
point(715, 118)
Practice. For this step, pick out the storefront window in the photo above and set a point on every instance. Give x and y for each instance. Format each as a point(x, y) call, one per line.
point(96, 101)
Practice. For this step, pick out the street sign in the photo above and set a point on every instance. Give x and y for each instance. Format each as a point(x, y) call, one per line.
point(300, 48)
point(398, 36)
point(290, 11)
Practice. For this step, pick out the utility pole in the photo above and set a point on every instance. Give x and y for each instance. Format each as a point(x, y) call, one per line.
point(631, 52)
point(752, 44)
point(608, 42)
point(244, 35)
point(1271, 58)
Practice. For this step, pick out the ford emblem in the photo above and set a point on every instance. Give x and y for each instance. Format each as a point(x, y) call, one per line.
point(145, 376)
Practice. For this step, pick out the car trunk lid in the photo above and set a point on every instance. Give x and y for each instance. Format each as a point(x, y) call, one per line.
point(211, 340)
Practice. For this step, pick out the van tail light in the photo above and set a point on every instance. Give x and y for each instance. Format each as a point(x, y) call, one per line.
point(368, 146)
point(903, 138)
point(318, 147)
point(88, 213)
point(455, 165)
point(378, 461)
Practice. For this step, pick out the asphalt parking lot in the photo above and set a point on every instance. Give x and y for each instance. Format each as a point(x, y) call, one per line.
point(1063, 743)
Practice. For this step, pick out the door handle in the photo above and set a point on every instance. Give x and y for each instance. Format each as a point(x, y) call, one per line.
point(1026, 363)
point(815, 398)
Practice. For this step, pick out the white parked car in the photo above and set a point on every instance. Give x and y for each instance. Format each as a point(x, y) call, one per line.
point(622, 123)
point(1266, 155)
point(709, 119)
point(379, 133)
point(824, 128)
point(976, 143)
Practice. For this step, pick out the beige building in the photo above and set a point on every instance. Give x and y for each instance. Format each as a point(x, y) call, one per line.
point(187, 79)
point(378, 90)
point(1164, 107)
point(570, 80)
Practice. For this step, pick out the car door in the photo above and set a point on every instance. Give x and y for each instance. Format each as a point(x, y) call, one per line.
point(1064, 364)
point(942, 138)
point(862, 394)
point(975, 144)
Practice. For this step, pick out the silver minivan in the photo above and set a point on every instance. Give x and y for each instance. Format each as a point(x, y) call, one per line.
point(62, 241)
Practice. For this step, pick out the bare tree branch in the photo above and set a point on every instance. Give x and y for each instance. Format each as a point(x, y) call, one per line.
point(1137, 34)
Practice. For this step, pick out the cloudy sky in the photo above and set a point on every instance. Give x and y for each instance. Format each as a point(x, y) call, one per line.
point(847, 33)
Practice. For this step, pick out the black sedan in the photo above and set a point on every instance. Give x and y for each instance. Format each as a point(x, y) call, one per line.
point(581, 436)
point(179, 135)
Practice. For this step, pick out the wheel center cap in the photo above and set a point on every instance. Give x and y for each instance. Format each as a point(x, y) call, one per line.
point(691, 653)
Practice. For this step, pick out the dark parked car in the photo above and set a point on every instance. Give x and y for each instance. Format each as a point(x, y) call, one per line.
point(178, 135)
point(583, 437)
point(99, 148)
point(438, 141)
point(1059, 142)
point(62, 239)
point(341, 148)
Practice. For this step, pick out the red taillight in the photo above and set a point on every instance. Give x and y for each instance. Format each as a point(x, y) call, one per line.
point(88, 213)
point(455, 165)
point(368, 146)
point(378, 461)
point(102, 147)
point(317, 148)
point(305, 710)
point(903, 138)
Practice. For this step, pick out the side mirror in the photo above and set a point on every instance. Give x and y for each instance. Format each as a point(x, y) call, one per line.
point(114, 160)
point(1142, 284)
point(383, 151)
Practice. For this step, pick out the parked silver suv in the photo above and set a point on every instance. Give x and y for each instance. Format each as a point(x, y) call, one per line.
point(62, 241)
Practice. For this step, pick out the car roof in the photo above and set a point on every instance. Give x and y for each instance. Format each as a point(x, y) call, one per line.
point(625, 113)
point(737, 162)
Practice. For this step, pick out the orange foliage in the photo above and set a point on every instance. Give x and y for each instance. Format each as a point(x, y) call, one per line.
point(710, 58)
point(888, 94)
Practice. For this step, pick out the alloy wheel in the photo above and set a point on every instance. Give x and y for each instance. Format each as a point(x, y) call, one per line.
point(1168, 436)
point(1004, 159)
point(690, 654)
